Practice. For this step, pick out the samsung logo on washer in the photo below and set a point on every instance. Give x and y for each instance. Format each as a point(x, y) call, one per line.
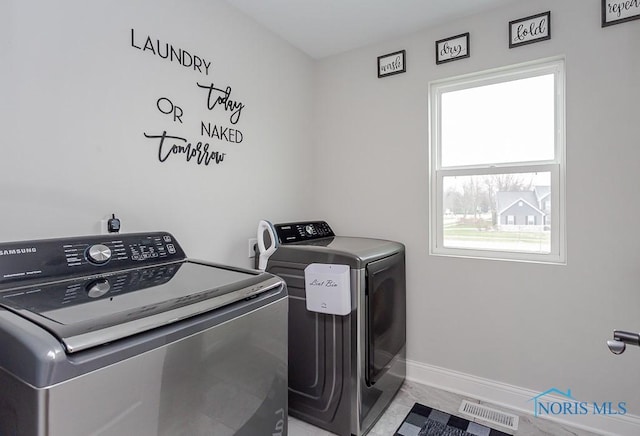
point(13, 251)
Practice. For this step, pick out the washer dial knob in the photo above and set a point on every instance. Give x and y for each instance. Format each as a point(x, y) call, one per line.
point(310, 229)
point(99, 254)
point(98, 288)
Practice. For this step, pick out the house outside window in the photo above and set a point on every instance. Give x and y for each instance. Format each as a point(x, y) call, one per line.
point(497, 164)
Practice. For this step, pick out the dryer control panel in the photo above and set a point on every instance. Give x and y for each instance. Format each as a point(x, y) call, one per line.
point(304, 231)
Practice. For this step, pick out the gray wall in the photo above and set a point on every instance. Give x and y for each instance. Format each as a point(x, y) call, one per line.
point(487, 318)
point(77, 98)
point(330, 140)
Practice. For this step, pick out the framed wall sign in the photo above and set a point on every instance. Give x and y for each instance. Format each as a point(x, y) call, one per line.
point(531, 29)
point(392, 63)
point(619, 11)
point(453, 48)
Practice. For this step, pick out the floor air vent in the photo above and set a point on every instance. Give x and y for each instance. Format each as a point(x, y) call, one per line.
point(489, 415)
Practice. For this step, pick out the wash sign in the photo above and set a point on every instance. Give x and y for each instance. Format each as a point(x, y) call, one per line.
point(563, 403)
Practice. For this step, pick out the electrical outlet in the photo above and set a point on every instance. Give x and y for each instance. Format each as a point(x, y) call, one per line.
point(103, 227)
point(252, 243)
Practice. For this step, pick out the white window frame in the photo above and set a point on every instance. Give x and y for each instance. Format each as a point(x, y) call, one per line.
point(555, 166)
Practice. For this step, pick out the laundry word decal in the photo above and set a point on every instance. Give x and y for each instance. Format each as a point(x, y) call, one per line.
point(167, 51)
point(197, 136)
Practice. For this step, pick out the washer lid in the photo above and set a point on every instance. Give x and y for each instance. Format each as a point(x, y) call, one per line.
point(90, 311)
point(352, 251)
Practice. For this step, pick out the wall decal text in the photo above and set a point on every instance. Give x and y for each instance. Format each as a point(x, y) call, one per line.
point(217, 99)
point(221, 96)
point(167, 107)
point(169, 52)
point(222, 133)
point(200, 151)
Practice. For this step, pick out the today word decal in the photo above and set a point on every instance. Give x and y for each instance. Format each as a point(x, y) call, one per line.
point(530, 29)
point(222, 97)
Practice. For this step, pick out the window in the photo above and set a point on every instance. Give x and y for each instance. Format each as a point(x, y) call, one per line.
point(497, 161)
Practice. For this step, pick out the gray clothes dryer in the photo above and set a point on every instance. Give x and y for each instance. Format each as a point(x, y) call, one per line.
point(343, 370)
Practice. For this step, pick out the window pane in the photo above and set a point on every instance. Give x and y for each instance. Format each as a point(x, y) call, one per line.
point(507, 212)
point(501, 123)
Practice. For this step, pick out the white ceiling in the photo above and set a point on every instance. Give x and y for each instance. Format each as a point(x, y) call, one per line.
point(322, 28)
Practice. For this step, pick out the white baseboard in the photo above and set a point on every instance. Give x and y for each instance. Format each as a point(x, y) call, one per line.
point(515, 398)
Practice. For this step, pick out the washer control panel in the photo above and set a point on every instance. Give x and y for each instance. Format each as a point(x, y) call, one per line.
point(303, 231)
point(57, 258)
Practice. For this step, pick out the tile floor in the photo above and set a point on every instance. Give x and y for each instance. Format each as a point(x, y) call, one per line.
point(412, 392)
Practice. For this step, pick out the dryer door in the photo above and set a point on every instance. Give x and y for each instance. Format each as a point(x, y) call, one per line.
point(385, 313)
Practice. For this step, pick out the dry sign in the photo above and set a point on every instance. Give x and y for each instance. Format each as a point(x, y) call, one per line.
point(452, 49)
